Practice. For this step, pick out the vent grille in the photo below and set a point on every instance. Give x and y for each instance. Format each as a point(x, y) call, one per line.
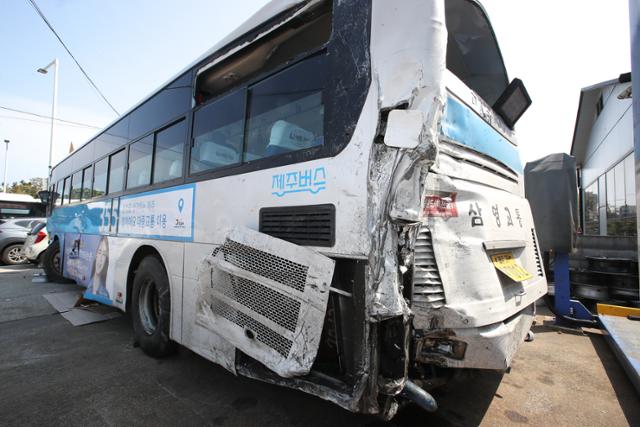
point(266, 265)
point(427, 285)
point(537, 253)
point(262, 333)
point(302, 225)
point(277, 307)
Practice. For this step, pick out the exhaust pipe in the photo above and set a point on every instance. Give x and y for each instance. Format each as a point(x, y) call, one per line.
point(419, 396)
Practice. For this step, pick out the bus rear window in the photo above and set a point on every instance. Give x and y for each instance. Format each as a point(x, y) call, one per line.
point(472, 50)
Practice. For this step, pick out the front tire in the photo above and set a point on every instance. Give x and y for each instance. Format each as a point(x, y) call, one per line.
point(151, 308)
point(52, 263)
point(13, 255)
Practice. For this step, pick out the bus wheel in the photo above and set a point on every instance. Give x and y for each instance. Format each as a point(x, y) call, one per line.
point(151, 308)
point(52, 263)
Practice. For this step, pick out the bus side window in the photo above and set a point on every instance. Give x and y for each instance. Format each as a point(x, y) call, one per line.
point(167, 162)
point(58, 193)
point(76, 186)
point(87, 175)
point(67, 190)
point(140, 153)
point(286, 111)
point(218, 131)
point(100, 177)
point(116, 171)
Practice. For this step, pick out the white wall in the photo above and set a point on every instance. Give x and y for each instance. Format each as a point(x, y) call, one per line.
point(611, 137)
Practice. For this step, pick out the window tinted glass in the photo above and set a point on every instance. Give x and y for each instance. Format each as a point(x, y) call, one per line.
point(116, 171)
point(169, 151)
point(76, 186)
point(286, 111)
point(140, 154)
point(58, 194)
point(472, 51)
point(112, 138)
point(67, 189)
point(100, 177)
point(87, 176)
point(218, 131)
point(591, 216)
point(164, 106)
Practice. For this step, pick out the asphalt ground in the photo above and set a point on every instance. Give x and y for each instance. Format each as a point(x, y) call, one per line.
point(52, 373)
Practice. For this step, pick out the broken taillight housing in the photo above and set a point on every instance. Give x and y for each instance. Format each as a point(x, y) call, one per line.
point(40, 236)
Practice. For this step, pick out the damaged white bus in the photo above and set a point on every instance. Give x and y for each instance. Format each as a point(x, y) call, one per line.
point(329, 200)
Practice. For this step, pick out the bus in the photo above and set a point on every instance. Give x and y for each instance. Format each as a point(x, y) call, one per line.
point(330, 199)
point(20, 206)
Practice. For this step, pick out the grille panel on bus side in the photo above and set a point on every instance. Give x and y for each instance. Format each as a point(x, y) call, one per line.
point(268, 298)
point(427, 285)
point(263, 333)
point(302, 225)
point(537, 253)
point(277, 307)
point(266, 265)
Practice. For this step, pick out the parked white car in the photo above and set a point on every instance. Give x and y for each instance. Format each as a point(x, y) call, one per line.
point(36, 243)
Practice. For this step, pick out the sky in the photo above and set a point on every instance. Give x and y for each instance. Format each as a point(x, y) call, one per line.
point(130, 48)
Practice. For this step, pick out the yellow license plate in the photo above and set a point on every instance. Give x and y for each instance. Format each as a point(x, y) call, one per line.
point(506, 263)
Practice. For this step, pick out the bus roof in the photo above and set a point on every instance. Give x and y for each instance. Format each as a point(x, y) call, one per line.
point(13, 197)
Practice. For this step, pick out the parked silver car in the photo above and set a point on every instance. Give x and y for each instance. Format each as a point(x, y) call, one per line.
point(36, 243)
point(13, 234)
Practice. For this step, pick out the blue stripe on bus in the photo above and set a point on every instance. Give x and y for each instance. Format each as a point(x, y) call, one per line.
point(462, 125)
point(98, 298)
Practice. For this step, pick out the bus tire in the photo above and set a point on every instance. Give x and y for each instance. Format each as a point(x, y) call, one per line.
point(52, 263)
point(151, 308)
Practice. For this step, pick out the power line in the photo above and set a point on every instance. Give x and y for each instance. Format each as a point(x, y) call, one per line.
point(39, 121)
point(15, 110)
point(46, 21)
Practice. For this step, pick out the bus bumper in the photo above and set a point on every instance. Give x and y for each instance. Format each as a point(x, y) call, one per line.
point(487, 347)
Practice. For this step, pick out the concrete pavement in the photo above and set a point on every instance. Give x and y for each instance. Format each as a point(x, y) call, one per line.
point(56, 374)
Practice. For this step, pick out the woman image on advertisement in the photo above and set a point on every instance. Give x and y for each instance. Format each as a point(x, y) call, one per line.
point(99, 279)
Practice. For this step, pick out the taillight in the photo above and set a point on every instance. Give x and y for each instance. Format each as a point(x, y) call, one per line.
point(40, 236)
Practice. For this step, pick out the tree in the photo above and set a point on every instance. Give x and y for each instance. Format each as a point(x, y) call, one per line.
point(30, 187)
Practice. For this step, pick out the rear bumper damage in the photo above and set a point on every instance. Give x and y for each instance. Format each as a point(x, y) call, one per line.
point(487, 347)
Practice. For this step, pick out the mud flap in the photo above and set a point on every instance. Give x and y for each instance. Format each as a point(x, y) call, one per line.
point(267, 297)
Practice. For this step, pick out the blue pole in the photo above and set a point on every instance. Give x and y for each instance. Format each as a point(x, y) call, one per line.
point(562, 284)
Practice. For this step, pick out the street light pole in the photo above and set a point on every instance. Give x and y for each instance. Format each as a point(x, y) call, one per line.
point(44, 70)
point(6, 156)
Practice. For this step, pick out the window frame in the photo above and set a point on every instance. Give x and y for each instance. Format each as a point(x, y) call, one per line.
point(82, 198)
point(292, 157)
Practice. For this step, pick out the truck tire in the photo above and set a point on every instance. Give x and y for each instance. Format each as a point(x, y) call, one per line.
point(151, 308)
point(13, 255)
point(52, 263)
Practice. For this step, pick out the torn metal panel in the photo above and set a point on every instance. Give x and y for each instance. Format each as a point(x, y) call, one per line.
point(268, 297)
point(395, 175)
point(408, 50)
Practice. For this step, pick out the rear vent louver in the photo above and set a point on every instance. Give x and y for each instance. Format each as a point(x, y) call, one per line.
point(427, 285)
point(302, 225)
point(537, 253)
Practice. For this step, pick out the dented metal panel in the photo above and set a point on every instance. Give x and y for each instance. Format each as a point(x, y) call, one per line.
point(268, 297)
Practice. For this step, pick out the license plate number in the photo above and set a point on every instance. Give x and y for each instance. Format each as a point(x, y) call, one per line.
point(506, 263)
